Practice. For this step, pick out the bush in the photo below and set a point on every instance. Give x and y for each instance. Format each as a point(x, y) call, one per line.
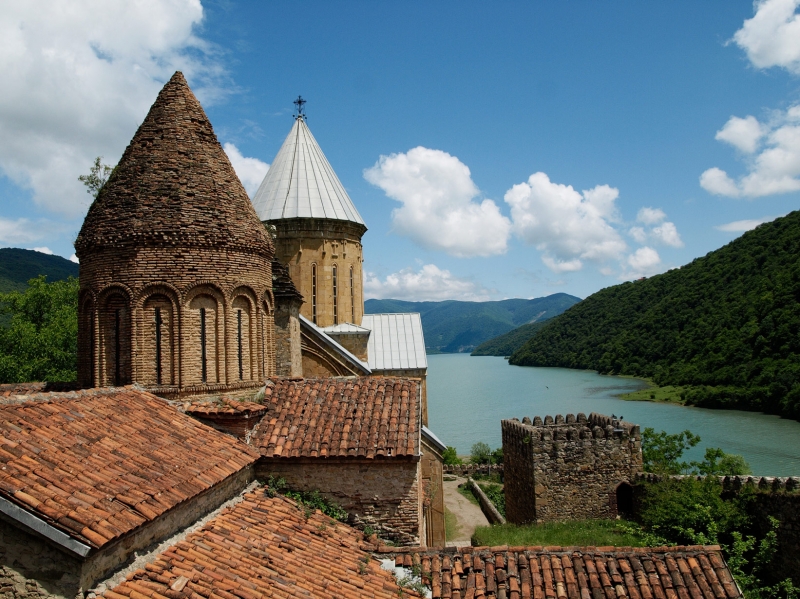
point(480, 453)
point(450, 457)
point(662, 454)
point(496, 495)
point(497, 456)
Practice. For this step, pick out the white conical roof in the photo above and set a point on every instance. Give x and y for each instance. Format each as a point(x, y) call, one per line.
point(300, 183)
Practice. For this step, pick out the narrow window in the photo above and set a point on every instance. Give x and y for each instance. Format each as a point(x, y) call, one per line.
point(352, 298)
point(117, 349)
point(314, 293)
point(203, 344)
point(239, 335)
point(335, 296)
point(158, 346)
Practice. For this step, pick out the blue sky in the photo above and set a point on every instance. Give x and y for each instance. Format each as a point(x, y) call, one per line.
point(494, 149)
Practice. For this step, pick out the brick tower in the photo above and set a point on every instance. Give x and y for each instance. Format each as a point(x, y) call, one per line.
point(175, 277)
point(318, 229)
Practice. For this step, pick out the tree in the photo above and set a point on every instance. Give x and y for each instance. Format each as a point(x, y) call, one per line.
point(41, 342)
point(480, 453)
point(719, 463)
point(497, 456)
point(97, 177)
point(450, 457)
point(661, 452)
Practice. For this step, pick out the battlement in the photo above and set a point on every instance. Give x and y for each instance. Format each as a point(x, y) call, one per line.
point(572, 427)
point(767, 484)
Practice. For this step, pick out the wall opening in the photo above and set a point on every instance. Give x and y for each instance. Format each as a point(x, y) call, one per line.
point(352, 298)
point(335, 295)
point(245, 339)
point(116, 341)
point(624, 497)
point(202, 354)
point(157, 363)
point(314, 293)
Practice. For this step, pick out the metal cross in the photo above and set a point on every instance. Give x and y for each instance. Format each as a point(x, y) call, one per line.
point(299, 103)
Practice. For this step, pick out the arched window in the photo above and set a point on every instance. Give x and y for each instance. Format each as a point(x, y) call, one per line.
point(203, 355)
point(245, 344)
point(314, 293)
point(116, 341)
point(352, 298)
point(158, 341)
point(335, 295)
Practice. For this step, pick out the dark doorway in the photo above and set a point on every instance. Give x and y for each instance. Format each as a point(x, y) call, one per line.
point(624, 499)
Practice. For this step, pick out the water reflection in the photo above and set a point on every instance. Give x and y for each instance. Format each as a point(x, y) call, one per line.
point(468, 396)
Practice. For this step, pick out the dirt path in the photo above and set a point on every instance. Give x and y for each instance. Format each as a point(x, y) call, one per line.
point(467, 513)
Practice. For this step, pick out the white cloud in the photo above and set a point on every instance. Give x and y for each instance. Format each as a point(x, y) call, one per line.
point(739, 226)
point(43, 250)
point(23, 231)
point(430, 283)
point(251, 171)
point(772, 37)
point(742, 134)
point(643, 262)
point(650, 216)
point(567, 226)
point(667, 233)
point(438, 209)
point(79, 76)
point(74, 258)
point(775, 169)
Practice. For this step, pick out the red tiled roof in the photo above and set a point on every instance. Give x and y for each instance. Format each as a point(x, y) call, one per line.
point(224, 407)
point(263, 547)
point(99, 463)
point(694, 572)
point(366, 417)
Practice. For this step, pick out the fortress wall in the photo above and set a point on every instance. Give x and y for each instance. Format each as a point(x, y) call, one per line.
point(382, 494)
point(567, 468)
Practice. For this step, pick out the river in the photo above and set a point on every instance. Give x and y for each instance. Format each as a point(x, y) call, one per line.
point(468, 396)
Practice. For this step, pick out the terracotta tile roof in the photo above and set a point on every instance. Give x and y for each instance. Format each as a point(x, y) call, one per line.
point(99, 463)
point(263, 547)
point(174, 185)
point(12, 389)
point(225, 406)
point(366, 417)
point(694, 572)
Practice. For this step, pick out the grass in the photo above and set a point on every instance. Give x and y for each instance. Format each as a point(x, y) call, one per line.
point(451, 528)
point(668, 394)
point(596, 533)
point(467, 492)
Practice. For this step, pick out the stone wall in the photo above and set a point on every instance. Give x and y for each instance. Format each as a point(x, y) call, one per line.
point(311, 248)
point(382, 494)
point(288, 353)
point(355, 343)
point(432, 495)
point(778, 497)
point(568, 468)
point(33, 568)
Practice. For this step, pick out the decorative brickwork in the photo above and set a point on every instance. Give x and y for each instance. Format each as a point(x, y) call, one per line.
point(569, 468)
point(175, 278)
point(288, 353)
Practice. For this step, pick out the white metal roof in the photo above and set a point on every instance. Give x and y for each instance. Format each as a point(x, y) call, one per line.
point(396, 341)
point(300, 183)
point(344, 328)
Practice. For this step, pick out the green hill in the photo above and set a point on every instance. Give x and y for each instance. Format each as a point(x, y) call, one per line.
point(727, 324)
point(453, 326)
point(507, 343)
point(18, 266)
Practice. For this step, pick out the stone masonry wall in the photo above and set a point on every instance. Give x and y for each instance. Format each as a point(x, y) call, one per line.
point(567, 468)
point(382, 494)
point(288, 354)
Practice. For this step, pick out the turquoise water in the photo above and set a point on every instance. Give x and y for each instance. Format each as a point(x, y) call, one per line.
point(468, 396)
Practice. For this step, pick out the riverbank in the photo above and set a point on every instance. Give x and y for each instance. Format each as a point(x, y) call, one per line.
point(652, 392)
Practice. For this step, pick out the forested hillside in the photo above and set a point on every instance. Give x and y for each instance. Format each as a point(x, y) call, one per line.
point(507, 343)
point(454, 326)
point(728, 324)
point(18, 266)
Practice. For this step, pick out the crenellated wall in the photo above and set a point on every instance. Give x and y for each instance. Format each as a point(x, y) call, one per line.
point(569, 467)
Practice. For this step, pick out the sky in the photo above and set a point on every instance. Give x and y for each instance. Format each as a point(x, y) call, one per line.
point(494, 150)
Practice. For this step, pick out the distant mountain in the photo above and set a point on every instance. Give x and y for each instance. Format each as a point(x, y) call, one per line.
point(452, 326)
point(17, 266)
point(726, 326)
point(507, 343)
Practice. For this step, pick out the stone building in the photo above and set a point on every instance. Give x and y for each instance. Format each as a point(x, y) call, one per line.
point(175, 277)
point(570, 468)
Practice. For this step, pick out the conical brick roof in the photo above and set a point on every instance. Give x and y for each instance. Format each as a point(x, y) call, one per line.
point(174, 186)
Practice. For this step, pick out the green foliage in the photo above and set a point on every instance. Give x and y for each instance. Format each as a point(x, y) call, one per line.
point(450, 457)
point(309, 500)
point(617, 533)
point(480, 453)
point(497, 455)
point(41, 340)
point(97, 177)
point(466, 491)
point(727, 325)
point(662, 452)
point(451, 528)
point(496, 495)
point(454, 326)
point(507, 343)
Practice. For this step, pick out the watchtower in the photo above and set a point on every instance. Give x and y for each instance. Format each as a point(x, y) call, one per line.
point(569, 468)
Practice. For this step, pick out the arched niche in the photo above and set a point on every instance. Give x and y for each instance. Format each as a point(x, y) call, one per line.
point(202, 328)
point(115, 360)
point(158, 329)
point(86, 339)
point(243, 319)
